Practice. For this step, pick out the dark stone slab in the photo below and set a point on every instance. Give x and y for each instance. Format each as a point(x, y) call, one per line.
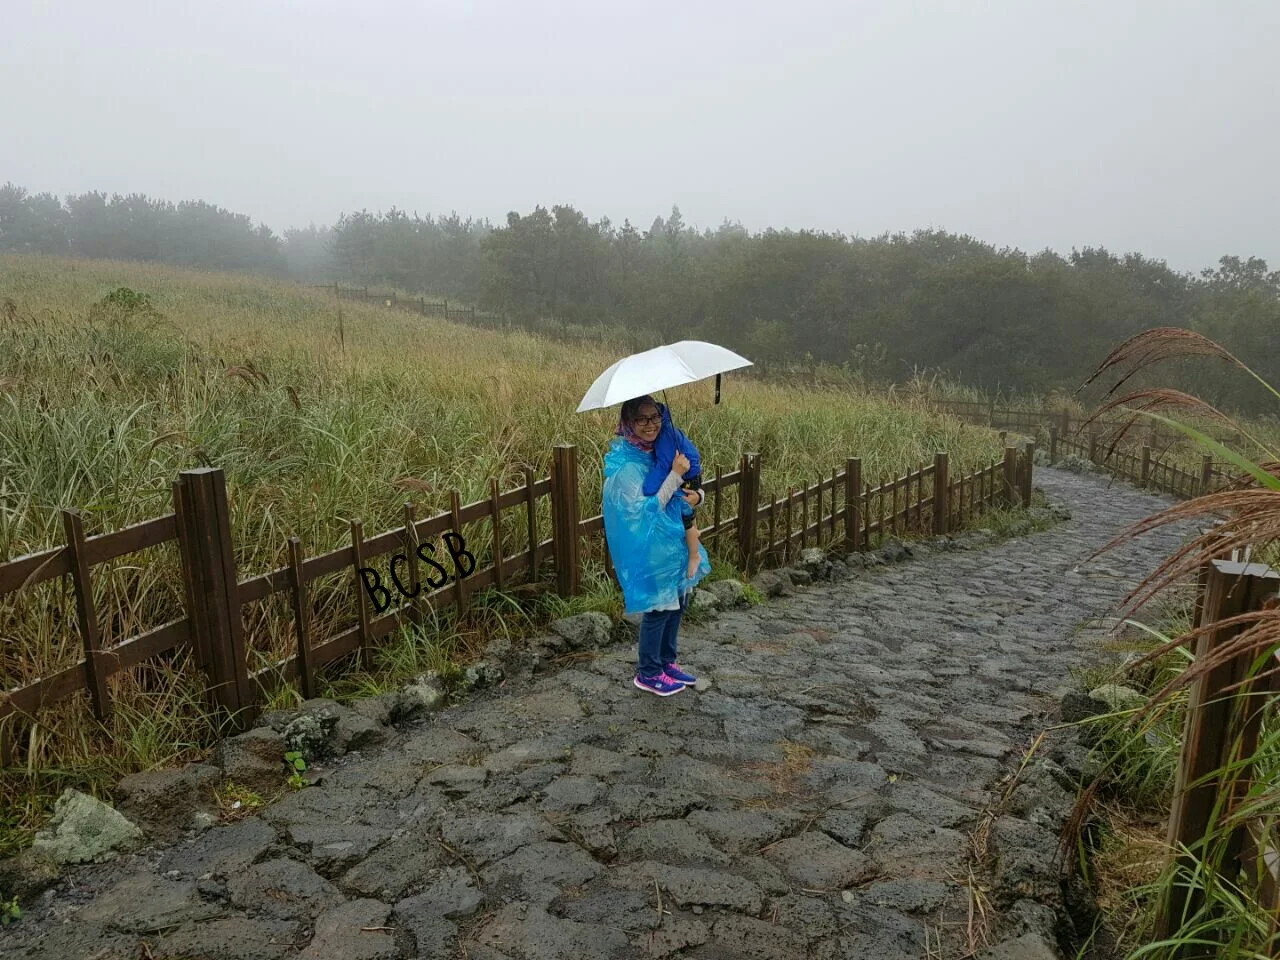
point(221, 851)
point(282, 888)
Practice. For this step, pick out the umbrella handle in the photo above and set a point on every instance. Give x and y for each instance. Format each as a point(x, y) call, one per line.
point(717, 388)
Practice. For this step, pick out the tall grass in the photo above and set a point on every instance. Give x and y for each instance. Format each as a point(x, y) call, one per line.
point(319, 411)
point(1231, 917)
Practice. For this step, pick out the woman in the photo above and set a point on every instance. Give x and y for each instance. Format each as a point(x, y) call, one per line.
point(646, 540)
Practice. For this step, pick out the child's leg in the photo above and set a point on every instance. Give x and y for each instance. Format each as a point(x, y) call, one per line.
point(692, 539)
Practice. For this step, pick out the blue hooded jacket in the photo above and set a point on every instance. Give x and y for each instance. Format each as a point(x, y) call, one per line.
point(646, 541)
point(670, 440)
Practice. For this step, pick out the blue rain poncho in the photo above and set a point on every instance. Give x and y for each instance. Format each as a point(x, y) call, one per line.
point(646, 540)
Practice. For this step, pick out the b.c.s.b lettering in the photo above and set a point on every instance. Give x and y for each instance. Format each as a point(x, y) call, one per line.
point(464, 563)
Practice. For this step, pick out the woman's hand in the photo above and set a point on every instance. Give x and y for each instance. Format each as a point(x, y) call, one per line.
point(680, 463)
point(690, 494)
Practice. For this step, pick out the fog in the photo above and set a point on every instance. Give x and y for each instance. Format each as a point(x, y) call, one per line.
point(1148, 126)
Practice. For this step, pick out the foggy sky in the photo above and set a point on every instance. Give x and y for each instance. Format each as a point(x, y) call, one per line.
point(1148, 125)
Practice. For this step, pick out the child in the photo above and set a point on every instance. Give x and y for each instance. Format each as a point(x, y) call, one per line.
point(670, 440)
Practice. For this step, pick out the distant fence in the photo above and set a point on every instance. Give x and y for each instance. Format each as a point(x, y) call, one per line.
point(1033, 421)
point(494, 542)
point(419, 305)
point(558, 329)
point(1137, 462)
point(1143, 468)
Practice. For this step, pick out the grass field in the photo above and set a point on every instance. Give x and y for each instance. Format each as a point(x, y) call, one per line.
point(318, 412)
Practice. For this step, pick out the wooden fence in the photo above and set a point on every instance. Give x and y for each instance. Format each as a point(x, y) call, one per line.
point(508, 548)
point(1226, 710)
point(419, 305)
point(1039, 421)
point(1142, 467)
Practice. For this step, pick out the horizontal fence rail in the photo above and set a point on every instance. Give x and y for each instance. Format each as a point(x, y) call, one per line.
point(395, 577)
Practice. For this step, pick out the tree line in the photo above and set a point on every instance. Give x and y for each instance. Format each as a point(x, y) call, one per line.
point(882, 307)
point(192, 233)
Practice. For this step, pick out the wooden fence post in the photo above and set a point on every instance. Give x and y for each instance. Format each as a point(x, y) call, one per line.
point(852, 502)
point(362, 596)
point(1206, 473)
point(1009, 495)
point(410, 515)
point(91, 639)
point(1093, 446)
point(301, 619)
point(1064, 425)
point(1028, 466)
point(748, 500)
point(1214, 731)
point(1146, 465)
point(495, 519)
point(564, 518)
point(941, 493)
point(213, 602)
point(1053, 445)
point(461, 595)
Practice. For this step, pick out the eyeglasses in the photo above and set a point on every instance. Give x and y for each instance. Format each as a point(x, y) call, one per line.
point(655, 420)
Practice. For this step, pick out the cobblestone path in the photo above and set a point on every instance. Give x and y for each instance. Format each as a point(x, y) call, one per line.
point(817, 801)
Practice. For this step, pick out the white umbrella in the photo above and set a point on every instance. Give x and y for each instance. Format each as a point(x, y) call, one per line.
point(669, 366)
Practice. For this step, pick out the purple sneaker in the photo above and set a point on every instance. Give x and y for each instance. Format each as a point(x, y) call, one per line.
point(680, 676)
point(662, 685)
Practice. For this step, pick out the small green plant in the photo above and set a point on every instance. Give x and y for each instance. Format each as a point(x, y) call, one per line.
point(236, 801)
point(129, 301)
point(297, 767)
point(753, 595)
point(123, 305)
point(10, 912)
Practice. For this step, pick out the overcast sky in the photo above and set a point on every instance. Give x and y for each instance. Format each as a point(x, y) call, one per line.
point(1149, 125)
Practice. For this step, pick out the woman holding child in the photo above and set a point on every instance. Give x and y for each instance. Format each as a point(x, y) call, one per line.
point(651, 533)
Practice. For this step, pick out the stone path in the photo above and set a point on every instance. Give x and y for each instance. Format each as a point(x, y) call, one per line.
point(817, 801)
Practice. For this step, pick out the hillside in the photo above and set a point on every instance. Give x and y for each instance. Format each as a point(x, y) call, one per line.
point(319, 413)
point(887, 306)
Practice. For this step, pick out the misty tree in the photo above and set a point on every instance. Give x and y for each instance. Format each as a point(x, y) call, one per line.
point(309, 253)
point(32, 223)
point(136, 227)
point(440, 257)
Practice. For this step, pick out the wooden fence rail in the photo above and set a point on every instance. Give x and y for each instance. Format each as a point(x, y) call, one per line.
point(396, 575)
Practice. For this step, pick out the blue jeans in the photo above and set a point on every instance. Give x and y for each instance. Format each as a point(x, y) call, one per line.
point(659, 634)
